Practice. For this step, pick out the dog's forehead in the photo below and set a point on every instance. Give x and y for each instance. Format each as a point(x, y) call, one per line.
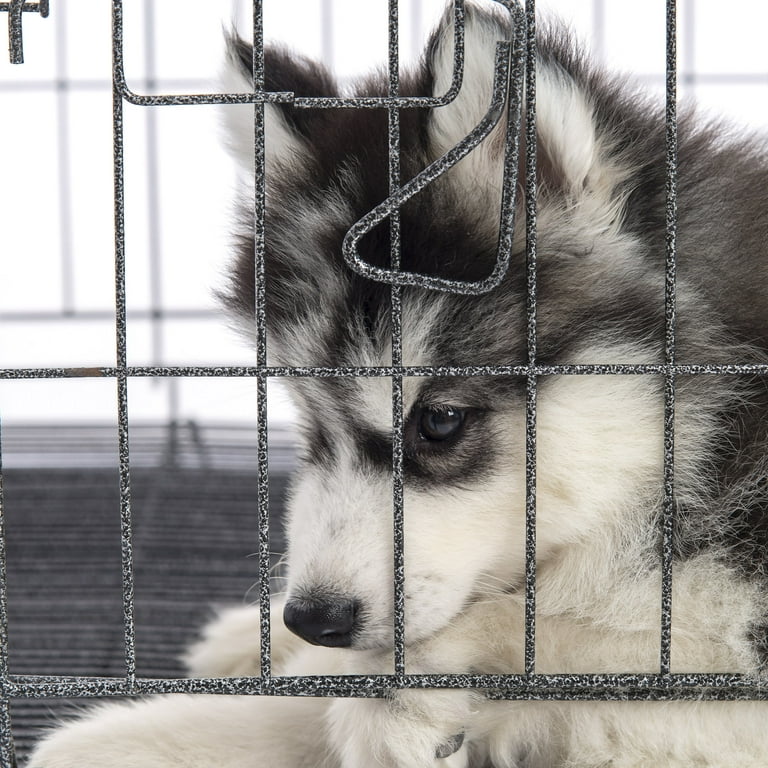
point(366, 402)
point(344, 407)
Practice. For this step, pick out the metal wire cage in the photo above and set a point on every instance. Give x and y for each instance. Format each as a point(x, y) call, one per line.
point(514, 84)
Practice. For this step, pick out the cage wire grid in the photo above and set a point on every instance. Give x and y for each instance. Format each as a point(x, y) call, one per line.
point(514, 83)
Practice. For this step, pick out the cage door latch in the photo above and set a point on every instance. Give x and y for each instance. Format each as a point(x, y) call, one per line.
point(15, 9)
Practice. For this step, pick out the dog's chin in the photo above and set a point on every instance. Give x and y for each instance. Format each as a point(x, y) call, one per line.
point(365, 643)
point(381, 638)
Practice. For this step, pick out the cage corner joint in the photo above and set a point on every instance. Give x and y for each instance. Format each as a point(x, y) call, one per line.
point(15, 9)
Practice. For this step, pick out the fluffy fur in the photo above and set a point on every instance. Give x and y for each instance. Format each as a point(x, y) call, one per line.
point(600, 438)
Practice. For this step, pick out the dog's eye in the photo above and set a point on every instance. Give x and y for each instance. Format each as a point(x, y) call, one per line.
point(437, 424)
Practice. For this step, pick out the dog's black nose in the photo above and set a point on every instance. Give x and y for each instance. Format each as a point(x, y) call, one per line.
point(322, 620)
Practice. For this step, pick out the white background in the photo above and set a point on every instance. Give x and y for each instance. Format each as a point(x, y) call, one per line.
point(56, 220)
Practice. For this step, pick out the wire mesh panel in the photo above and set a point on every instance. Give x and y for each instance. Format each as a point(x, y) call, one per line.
point(513, 107)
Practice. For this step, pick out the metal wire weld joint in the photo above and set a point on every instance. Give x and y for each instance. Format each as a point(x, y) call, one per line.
point(14, 9)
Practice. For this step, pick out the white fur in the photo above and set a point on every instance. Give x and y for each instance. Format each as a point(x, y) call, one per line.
point(245, 732)
point(451, 123)
point(564, 121)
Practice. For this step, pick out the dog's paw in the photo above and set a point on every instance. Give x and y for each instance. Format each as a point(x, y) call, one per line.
point(230, 644)
point(114, 735)
point(412, 729)
point(192, 731)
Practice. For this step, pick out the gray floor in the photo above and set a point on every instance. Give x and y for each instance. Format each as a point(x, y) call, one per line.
point(195, 535)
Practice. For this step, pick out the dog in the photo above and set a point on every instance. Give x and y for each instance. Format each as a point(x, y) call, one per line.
point(600, 439)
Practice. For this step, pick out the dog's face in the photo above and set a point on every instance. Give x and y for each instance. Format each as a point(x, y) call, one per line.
point(464, 438)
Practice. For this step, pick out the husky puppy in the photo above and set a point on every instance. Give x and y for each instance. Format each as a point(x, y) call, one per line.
point(600, 439)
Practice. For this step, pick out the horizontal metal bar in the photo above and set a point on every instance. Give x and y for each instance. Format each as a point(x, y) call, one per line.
point(498, 686)
point(277, 97)
point(41, 8)
point(126, 93)
point(747, 369)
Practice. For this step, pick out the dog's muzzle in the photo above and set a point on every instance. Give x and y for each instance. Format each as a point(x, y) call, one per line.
point(323, 619)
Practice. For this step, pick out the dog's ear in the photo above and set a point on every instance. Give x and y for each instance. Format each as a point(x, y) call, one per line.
point(573, 159)
point(448, 125)
point(304, 213)
point(288, 131)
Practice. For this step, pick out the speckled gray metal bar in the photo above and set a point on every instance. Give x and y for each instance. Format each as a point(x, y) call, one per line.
point(259, 202)
point(425, 177)
point(308, 102)
point(279, 97)
point(513, 135)
point(617, 369)
point(41, 7)
point(15, 9)
point(556, 686)
point(7, 750)
point(531, 383)
point(668, 509)
point(121, 352)
point(398, 417)
point(15, 41)
point(3, 581)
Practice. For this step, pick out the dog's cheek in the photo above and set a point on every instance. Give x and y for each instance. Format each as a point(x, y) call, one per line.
point(454, 540)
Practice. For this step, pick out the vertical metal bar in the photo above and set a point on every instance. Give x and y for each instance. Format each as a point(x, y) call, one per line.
point(530, 418)
point(668, 513)
point(64, 165)
point(3, 582)
point(261, 340)
point(7, 749)
point(263, 522)
point(126, 523)
point(15, 40)
point(397, 351)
